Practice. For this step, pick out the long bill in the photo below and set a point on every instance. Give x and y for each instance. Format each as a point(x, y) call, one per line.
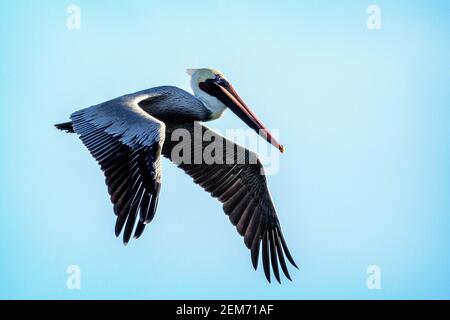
point(225, 92)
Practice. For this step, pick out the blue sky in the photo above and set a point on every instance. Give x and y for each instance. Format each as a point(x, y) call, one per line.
point(363, 115)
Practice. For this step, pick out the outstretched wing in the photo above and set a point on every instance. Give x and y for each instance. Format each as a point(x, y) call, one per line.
point(241, 186)
point(126, 142)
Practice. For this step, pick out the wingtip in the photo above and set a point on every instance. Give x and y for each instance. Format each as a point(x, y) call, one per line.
point(267, 274)
point(66, 126)
point(255, 264)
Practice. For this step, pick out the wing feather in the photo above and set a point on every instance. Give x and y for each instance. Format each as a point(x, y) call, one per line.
point(127, 143)
point(242, 188)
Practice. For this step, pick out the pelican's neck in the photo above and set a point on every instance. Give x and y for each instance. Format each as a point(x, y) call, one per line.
point(215, 108)
point(214, 105)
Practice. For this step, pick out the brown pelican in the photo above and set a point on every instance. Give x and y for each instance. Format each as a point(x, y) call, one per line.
point(127, 136)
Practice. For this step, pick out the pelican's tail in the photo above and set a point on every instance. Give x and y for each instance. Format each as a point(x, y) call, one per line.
point(66, 126)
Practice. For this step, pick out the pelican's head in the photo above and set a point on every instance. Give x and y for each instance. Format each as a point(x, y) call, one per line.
point(214, 105)
point(212, 88)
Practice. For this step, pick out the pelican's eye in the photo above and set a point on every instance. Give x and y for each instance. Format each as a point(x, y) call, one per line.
point(221, 81)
